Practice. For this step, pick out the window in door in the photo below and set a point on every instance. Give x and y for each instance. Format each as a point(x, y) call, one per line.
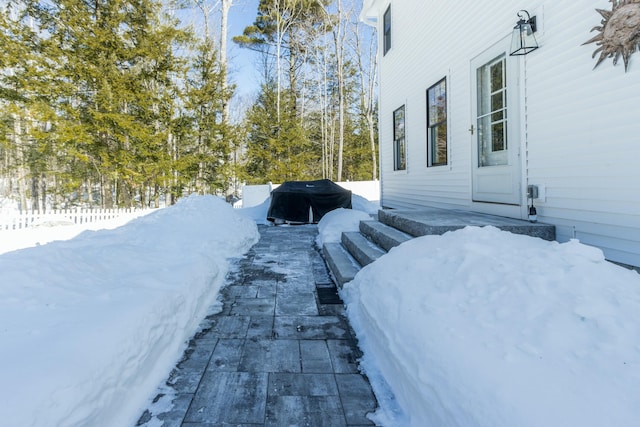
point(437, 124)
point(399, 143)
point(492, 113)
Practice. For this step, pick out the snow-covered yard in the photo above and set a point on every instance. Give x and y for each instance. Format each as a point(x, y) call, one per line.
point(477, 327)
point(90, 326)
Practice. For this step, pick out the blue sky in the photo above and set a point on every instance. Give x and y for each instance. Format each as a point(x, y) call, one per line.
point(242, 62)
point(244, 68)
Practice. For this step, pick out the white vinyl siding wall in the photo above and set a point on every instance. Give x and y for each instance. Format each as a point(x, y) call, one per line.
point(414, 64)
point(584, 132)
point(580, 127)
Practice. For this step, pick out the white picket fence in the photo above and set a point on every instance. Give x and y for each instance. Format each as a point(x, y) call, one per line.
point(62, 217)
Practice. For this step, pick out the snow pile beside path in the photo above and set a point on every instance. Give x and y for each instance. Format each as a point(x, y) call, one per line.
point(91, 326)
point(481, 327)
point(258, 213)
point(361, 204)
point(332, 224)
point(11, 240)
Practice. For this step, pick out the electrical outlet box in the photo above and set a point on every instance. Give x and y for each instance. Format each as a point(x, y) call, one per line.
point(537, 192)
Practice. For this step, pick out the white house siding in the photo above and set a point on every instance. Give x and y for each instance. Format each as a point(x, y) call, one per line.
point(580, 126)
point(584, 135)
point(416, 61)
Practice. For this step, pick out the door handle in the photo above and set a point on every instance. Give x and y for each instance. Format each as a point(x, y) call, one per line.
point(471, 129)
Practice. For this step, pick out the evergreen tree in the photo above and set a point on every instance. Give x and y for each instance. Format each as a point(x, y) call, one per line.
point(276, 153)
point(26, 112)
point(206, 160)
point(279, 30)
point(97, 108)
point(316, 39)
point(100, 80)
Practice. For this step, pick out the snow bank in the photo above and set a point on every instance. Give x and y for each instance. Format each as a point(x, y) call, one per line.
point(258, 213)
point(332, 224)
point(361, 204)
point(481, 327)
point(89, 327)
point(11, 240)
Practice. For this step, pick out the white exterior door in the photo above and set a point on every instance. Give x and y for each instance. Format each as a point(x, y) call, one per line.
point(496, 134)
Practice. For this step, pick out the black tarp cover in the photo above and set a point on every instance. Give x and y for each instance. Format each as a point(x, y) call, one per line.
point(291, 200)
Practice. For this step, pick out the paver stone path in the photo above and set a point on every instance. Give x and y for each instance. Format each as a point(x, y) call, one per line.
point(277, 354)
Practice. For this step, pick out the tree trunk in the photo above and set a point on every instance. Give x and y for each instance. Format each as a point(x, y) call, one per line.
point(278, 64)
point(107, 194)
point(35, 194)
point(367, 94)
point(43, 192)
point(372, 143)
point(292, 76)
point(89, 192)
point(21, 169)
point(226, 5)
point(339, 41)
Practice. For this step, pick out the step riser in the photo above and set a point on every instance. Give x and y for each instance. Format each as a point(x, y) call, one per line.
point(439, 221)
point(396, 227)
point(383, 235)
point(360, 248)
point(342, 266)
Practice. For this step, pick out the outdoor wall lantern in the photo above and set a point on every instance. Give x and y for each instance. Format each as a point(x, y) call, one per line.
point(522, 40)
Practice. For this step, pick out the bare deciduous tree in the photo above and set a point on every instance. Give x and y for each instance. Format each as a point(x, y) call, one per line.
point(368, 74)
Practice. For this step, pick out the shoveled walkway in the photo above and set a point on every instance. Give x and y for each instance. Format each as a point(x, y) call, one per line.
point(280, 353)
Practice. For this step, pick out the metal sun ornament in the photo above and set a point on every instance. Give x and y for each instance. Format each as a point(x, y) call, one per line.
point(619, 32)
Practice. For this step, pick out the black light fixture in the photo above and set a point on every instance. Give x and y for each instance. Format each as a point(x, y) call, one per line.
point(533, 213)
point(522, 39)
point(532, 193)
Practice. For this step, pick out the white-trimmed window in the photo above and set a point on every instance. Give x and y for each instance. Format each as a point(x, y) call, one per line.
point(386, 31)
point(437, 124)
point(399, 142)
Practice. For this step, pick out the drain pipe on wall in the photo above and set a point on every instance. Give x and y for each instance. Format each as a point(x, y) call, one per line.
point(531, 190)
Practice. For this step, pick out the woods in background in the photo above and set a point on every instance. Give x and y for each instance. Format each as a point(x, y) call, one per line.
point(315, 116)
point(117, 103)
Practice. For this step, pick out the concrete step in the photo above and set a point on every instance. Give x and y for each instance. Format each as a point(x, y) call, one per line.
point(425, 221)
point(363, 250)
point(382, 235)
point(398, 226)
point(341, 264)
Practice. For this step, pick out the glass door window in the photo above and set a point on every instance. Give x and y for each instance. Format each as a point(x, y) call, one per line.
point(492, 113)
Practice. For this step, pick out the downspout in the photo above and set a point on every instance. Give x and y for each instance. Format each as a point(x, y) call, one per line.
point(525, 128)
point(526, 139)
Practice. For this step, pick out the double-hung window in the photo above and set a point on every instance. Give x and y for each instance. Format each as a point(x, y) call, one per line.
point(399, 143)
point(386, 30)
point(437, 124)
